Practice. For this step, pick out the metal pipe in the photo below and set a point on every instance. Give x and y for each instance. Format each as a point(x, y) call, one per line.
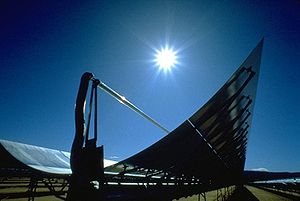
point(127, 103)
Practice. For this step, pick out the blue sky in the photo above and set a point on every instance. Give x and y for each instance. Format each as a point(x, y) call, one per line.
point(45, 47)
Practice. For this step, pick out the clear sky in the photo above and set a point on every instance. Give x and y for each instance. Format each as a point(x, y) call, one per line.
point(45, 48)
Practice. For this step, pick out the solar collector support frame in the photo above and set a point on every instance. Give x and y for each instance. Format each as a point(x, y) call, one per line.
point(205, 156)
point(232, 112)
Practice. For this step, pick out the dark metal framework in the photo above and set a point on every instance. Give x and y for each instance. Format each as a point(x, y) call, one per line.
point(209, 148)
point(206, 152)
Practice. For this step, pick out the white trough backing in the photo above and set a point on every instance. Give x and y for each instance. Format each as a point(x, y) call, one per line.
point(42, 159)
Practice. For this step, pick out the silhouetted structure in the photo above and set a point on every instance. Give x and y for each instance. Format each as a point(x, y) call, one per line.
point(208, 149)
point(206, 152)
point(86, 161)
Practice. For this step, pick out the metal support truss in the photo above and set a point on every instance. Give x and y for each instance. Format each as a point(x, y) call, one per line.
point(57, 190)
point(203, 195)
point(32, 188)
point(56, 187)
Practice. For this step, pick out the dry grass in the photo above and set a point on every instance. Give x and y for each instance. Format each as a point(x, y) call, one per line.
point(17, 189)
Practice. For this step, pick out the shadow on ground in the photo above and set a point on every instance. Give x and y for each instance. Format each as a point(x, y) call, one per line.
point(242, 193)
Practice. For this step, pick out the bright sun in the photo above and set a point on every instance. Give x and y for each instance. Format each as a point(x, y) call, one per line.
point(166, 58)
